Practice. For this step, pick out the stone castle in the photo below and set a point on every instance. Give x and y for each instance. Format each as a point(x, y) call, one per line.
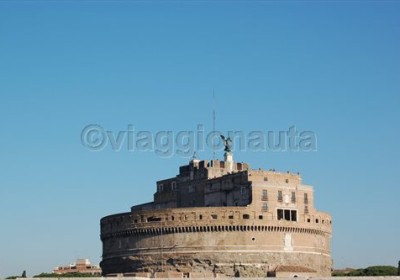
point(221, 219)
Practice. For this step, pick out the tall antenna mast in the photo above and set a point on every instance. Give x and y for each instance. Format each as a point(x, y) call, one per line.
point(213, 125)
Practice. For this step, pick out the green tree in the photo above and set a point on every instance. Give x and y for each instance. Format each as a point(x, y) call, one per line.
point(381, 270)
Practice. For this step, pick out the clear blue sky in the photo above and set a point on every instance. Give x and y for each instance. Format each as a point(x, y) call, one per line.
point(328, 67)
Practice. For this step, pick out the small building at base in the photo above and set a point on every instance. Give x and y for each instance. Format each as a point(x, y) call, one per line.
point(80, 266)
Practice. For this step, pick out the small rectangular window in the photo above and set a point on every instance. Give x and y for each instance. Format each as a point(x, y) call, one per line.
point(280, 214)
point(214, 216)
point(173, 186)
point(264, 195)
point(306, 209)
point(280, 196)
point(305, 198)
point(246, 216)
point(287, 215)
point(293, 197)
point(260, 217)
point(293, 215)
point(265, 207)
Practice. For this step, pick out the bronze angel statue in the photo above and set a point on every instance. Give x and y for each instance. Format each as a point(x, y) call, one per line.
point(227, 143)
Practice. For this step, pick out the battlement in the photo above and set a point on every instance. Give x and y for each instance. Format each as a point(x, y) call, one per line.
point(204, 169)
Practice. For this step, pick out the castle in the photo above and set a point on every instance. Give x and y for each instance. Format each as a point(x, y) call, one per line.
point(221, 219)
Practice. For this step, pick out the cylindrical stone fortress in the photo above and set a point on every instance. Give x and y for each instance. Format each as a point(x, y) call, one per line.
point(215, 221)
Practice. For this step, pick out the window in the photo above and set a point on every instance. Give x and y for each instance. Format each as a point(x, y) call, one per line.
point(154, 219)
point(243, 190)
point(265, 179)
point(260, 217)
point(214, 216)
point(201, 217)
point(287, 180)
point(293, 197)
point(280, 196)
point(308, 220)
point(264, 195)
point(306, 209)
point(317, 221)
point(265, 207)
point(280, 214)
point(191, 188)
point(173, 186)
point(160, 187)
point(286, 214)
point(246, 216)
point(305, 198)
point(293, 215)
point(230, 217)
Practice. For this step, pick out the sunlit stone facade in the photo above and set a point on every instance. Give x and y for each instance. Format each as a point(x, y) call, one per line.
point(221, 218)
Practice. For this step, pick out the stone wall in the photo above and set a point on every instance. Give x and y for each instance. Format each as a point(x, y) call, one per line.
point(228, 223)
point(228, 241)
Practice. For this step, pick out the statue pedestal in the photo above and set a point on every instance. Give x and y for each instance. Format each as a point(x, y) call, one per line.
point(228, 156)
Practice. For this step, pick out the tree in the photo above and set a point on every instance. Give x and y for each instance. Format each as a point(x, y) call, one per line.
point(381, 270)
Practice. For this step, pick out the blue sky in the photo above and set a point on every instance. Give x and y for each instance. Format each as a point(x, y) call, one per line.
point(329, 67)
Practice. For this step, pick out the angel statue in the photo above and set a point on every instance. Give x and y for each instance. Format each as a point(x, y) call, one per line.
point(227, 143)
